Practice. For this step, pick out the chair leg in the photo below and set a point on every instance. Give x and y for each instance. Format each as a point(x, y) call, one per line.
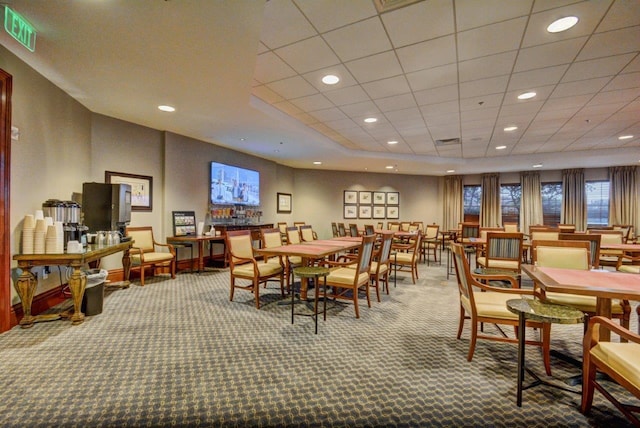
point(355, 302)
point(588, 379)
point(142, 275)
point(173, 269)
point(256, 292)
point(233, 288)
point(546, 347)
point(461, 322)
point(474, 337)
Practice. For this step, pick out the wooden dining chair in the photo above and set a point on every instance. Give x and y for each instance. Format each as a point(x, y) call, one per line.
point(503, 251)
point(381, 263)
point(347, 278)
point(407, 256)
point(307, 234)
point(271, 238)
point(594, 245)
point(334, 230)
point(353, 229)
point(341, 230)
point(243, 265)
point(147, 253)
point(430, 242)
point(481, 303)
point(293, 235)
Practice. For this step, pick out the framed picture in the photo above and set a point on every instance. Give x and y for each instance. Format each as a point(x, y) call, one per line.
point(141, 188)
point(364, 198)
point(393, 212)
point(284, 202)
point(379, 212)
point(364, 211)
point(393, 198)
point(184, 223)
point(350, 196)
point(379, 198)
point(350, 211)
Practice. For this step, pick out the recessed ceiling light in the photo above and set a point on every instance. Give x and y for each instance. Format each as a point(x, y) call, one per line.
point(389, 166)
point(510, 128)
point(392, 142)
point(538, 165)
point(526, 95)
point(166, 108)
point(330, 79)
point(625, 137)
point(317, 163)
point(370, 120)
point(241, 139)
point(501, 147)
point(451, 170)
point(562, 24)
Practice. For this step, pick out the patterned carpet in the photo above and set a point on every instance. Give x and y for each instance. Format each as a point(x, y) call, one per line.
point(178, 353)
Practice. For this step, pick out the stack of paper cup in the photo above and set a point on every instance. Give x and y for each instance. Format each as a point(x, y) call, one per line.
point(53, 244)
point(39, 237)
point(28, 229)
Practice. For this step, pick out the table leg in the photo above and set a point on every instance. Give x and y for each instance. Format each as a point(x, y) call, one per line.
point(77, 284)
point(603, 308)
point(25, 286)
point(521, 342)
point(315, 301)
point(201, 255)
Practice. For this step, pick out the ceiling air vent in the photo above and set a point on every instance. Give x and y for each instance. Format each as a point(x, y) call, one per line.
point(387, 5)
point(448, 142)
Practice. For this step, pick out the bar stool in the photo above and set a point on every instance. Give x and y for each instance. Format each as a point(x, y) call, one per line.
point(314, 272)
point(535, 310)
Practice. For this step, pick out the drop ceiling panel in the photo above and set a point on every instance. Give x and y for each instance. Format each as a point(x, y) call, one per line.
point(350, 95)
point(270, 67)
point(433, 77)
point(327, 16)
point(361, 109)
point(432, 53)
point(397, 102)
point(358, 40)
point(538, 77)
point(312, 102)
point(387, 87)
point(472, 14)
point(308, 55)
point(611, 43)
point(558, 53)
point(330, 114)
point(436, 95)
point(375, 67)
point(421, 21)
point(286, 24)
point(583, 87)
point(492, 85)
point(488, 66)
point(600, 67)
point(293, 87)
point(492, 39)
point(623, 81)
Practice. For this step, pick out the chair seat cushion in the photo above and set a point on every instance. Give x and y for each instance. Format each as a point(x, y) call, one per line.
point(374, 268)
point(403, 258)
point(151, 258)
point(491, 304)
point(581, 303)
point(629, 269)
point(623, 358)
point(295, 260)
point(345, 276)
point(265, 269)
point(503, 264)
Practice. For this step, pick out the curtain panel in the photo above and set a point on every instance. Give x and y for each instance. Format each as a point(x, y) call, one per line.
point(574, 199)
point(531, 200)
point(623, 196)
point(490, 210)
point(453, 202)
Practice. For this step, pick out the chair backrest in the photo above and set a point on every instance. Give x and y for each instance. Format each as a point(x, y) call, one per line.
point(365, 254)
point(417, 225)
point(511, 227)
point(142, 237)
point(404, 226)
point(393, 225)
point(306, 232)
point(298, 224)
point(341, 230)
point(334, 230)
point(413, 227)
point(544, 235)
point(470, 230)
point(561, 254)
point(380, 225)
point(239, 245)
point(625, 229)
point(369, 229)
point(385, 247)
point(271, 238)
point(293, 235)
point(353, 229)
point(485, 230)
point(608, 236)
point(503, 246)
point(594, 244)
point(463, 274)
point(282, 226)
point(567, 228)
point(431, 232)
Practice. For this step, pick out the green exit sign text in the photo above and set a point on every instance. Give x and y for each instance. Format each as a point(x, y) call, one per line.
point(20, 29)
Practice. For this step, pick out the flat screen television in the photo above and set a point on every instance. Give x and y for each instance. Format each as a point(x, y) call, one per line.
point(232, 185)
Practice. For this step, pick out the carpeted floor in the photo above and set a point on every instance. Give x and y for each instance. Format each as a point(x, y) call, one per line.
point(178, 353)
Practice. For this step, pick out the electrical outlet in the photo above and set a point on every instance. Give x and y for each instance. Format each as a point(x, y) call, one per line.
point(45, 272)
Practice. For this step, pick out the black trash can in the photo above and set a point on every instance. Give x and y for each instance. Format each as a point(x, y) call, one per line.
point(94, 292)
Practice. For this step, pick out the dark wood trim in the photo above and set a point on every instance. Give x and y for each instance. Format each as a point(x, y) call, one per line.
point(6, 87)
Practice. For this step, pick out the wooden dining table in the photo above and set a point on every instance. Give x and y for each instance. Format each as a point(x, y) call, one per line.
point(603, 284)
point(311, 251)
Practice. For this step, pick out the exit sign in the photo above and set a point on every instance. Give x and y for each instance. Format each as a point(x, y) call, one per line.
point(20, 29)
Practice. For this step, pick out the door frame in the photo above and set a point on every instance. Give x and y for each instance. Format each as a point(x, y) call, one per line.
point(6, 87)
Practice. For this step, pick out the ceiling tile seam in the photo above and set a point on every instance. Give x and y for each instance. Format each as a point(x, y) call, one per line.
point(504, 94)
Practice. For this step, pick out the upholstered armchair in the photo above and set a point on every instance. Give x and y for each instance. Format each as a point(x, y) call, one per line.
point(381, 264)
point(503, 251)
point(617, 360)
point(407, 256)
point(146, 252)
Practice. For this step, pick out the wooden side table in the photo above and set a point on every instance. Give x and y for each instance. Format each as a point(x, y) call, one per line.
point(535, 310)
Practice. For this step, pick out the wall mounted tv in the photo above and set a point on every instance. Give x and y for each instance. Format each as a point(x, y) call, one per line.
point(232, 185)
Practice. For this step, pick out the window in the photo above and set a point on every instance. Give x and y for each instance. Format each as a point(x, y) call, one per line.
point(471, 198)
point(597, 203)
point(551, 203)
point(510, 195)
